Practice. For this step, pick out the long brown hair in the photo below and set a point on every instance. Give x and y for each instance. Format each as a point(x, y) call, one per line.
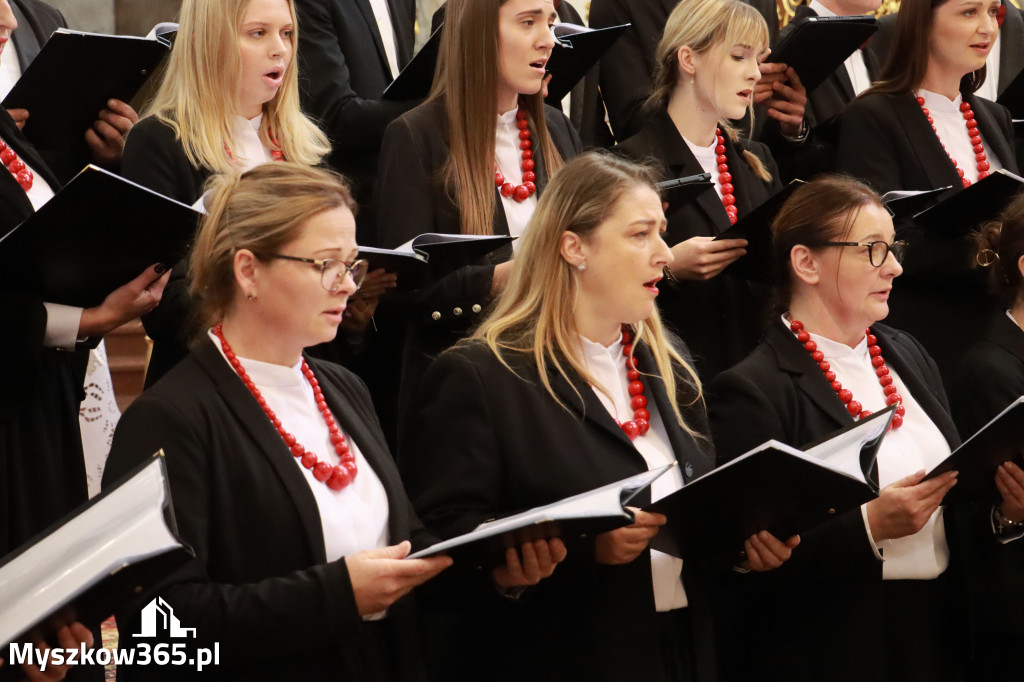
point(704, 25)
point(908, 59)
point(466, 80)
point(535, 314)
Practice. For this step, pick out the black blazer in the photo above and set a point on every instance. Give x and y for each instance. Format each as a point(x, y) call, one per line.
point(343, 70)
point(628, 67)
point(411, 200)
point(42, 476)
point(886, 141)
point(720, 319)
point(260, 583)
point(37, 22)
point(490, 441)
point(826, 602)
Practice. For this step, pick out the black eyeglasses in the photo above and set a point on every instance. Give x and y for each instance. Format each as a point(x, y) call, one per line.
point(878, 251)
point(333, 271)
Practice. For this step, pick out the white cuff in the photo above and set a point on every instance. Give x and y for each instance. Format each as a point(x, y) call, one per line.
point(875, 546)
point(62, 323)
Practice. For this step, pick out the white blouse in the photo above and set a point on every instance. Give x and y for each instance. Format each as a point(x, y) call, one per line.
point(509, 158)
point(707, 159)
point(607, 365)
point(917, 444)
point(247, 148)
point(952, 127)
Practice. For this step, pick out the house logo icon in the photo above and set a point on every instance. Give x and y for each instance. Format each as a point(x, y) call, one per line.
point(158, 617)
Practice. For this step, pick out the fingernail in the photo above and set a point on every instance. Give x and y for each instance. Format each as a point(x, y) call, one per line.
point(160, 268)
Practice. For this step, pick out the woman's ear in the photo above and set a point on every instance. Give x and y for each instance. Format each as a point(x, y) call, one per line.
point(247, 267)
point(572, 248)
point(804, 264)
point(1020, 265)
point(685, 56)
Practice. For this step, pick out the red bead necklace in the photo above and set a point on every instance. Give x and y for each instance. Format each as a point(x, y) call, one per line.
point(892, 397)
point(641, 421)
point(275, 153)
point(16, 166)
point(975, 135)
point(334, 477)
point(725, 177)
point(526, 190)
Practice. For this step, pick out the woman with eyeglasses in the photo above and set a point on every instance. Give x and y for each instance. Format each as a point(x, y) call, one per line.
point(228, 101)
point(875, 593)
point(281, 478)
point(923, 127)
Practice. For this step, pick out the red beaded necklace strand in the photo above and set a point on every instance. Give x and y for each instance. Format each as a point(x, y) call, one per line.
point(972, 132)
point(877, 361)
point(725, 177)
point(519, 193)
point(16, 167)
point(334, 477)
point(641, 421)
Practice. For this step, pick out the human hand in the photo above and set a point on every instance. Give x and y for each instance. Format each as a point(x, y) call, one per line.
point(766, 552)
point(544, 85)
point(106, 137)
point(771, 73)
point(787, 103)
point(380, 577)
point(904, 507)
point(69, 637)
point(623, 545)
point(701, 258)
point(125, 303)
point(19, 116)
point(502, 272)
point(363, 304)
point(531, 563)
point(1010, 483)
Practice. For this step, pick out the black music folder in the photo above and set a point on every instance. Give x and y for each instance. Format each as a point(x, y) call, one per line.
point(416, 79)
point(756, 228)
point(964, 210)
point(681, 191)
point(432, 255)
point(583, 515)
point(99, 232)
point(976, 460)
point(1013, 96)
point(773, 487)
point(817, 46)
point(577, 49)
point(908, 203)
point(70, 80)
point(103, 556)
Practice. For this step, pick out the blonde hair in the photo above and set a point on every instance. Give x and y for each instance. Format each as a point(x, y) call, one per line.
point(704, 25)
point(197, 95)
point(466, 80)
point(261, 210)
point(536, 312)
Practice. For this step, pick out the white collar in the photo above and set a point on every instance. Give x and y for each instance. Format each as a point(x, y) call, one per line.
point(940, 103)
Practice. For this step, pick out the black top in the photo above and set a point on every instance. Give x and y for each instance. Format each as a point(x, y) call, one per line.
point(720, 319)
point(260, 583)
point(489, 441)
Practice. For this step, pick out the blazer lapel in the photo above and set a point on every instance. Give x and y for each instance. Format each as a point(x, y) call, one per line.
point(580, 398)
point(933, 159)
point(995, 138)
point(371, 21)
point(404, 38)
point(25, 40)
point(1008, 335)
point(268, 442)
point(794, 359)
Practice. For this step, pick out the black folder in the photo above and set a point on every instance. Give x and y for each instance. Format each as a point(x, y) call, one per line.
point(817, 46)
point(906, 204)
point(1013, 96)
point(70, 80)
point(773, 487)
point(577, 49)
point(756, 228)
point(584, 515)
point(416, 79)
point(976, 460)
point(99, 232)
point(964, 210)
point(681, 191)
point(109, 553)
point(431, 256)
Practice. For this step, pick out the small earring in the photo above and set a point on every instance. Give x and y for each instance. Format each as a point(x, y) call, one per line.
point(693, 76)
point(251, 296)
point(581, 267)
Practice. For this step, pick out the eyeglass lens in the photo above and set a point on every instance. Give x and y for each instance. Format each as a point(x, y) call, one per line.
point(334, 273)
point(878, 251)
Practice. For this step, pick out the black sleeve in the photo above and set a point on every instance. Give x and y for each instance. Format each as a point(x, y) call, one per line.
point(354, 124)
point(626, 68)
point(154, 158)
point(21, 349)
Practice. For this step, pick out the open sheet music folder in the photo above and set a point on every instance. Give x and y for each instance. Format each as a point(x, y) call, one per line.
point(99, 558)
point(774, 487)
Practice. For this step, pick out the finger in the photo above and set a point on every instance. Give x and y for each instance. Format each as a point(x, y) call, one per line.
point(531, 565)
point(543, 553)
point(722, 257)
point(512, 565)
point(66, 639)
point(793, 542)
point(911, 480)
point(1012, 485)
point(1014, 472)
point(753, 558)
point(771, 67)
point(418, 571)
point(399, 551)
point(19, 115)
point(108, 133)
point(774, 546)
point(122, 124)
point(794, 79)
point(642, 518)
point(123, 109)
point(557, 549)
point(791, 119)
point(726, 244)
point(82, 634)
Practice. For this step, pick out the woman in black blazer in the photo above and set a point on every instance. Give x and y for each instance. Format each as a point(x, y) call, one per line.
point(990, 377)
point(473, 159)
point(281, 478)
point(696, 92)
point(852, 616)
point(887, 140)
point(538, 405)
